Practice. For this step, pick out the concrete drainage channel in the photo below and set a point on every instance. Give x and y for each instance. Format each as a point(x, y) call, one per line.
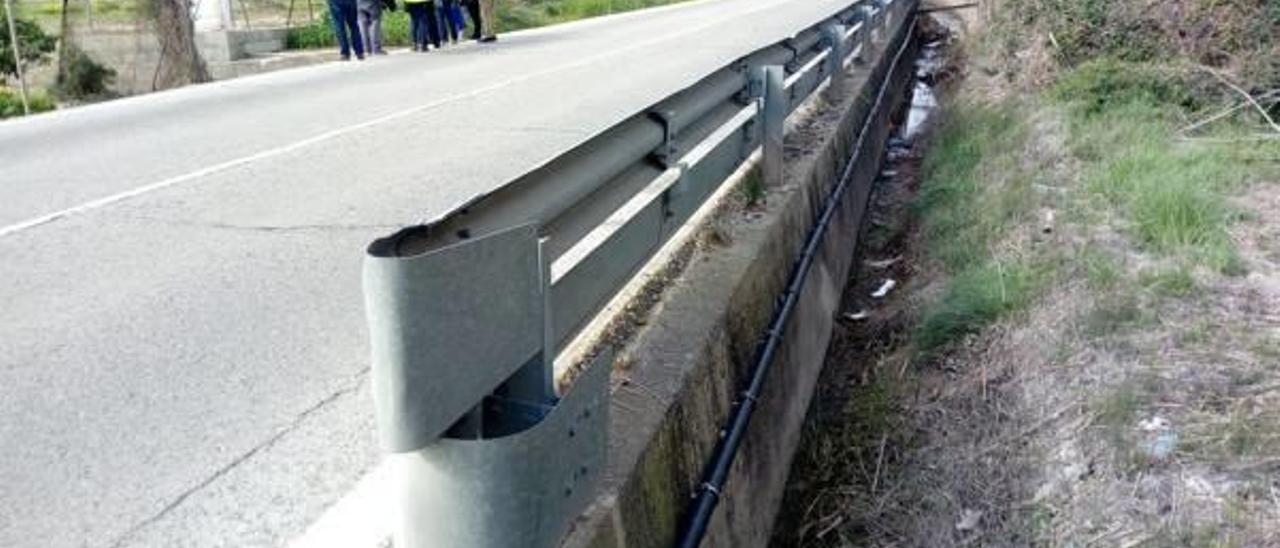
point(682, 432)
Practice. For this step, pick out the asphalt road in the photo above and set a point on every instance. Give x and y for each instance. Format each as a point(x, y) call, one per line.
point(183, 354)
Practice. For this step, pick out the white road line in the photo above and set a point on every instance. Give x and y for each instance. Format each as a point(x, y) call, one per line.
point(331, 134)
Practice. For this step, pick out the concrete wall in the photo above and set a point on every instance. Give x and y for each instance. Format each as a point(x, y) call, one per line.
point(696, 350)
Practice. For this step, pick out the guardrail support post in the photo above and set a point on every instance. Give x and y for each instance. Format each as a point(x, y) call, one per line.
point(770, 81)
point(864, 35)
point(485, 455)
point(834, 35)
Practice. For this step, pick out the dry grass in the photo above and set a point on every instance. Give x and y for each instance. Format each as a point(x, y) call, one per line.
point(1131, 398)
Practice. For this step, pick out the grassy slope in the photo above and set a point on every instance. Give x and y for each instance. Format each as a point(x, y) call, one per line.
point(1114, 381)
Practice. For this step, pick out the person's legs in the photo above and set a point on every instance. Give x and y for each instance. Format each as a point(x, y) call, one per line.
point(455, 17)
point(417, 26)
point(487, 21)
point(448, 31)
point(374, 45)
point(339, 29)
point(473, 10)
point(433, 23)
point(353, 27)
point(366, 28)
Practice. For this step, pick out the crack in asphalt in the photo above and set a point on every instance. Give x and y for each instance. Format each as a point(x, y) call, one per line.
point(357, 381)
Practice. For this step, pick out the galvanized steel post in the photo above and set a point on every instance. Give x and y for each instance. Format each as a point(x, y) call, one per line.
point(771, 81)
point(834, 35)
point(864, 35)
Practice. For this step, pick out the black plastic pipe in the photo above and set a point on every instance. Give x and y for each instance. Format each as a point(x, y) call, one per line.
point(726, 450)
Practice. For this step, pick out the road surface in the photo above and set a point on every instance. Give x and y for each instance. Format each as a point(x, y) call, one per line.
point(183, 353)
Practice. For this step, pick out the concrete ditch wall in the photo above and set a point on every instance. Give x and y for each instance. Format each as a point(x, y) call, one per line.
point(680, 373)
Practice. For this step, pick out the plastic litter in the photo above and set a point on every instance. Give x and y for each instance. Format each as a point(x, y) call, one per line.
point(884, 290)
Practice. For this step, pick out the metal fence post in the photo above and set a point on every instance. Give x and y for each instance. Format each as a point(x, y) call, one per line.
point(834, 35)
point(864, 36)
point(485, 454)
point(771, 81)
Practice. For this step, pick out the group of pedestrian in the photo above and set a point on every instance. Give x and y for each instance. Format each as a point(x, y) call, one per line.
point(358, 23)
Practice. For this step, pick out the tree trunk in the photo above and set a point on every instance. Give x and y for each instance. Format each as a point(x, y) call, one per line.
point(180, 62)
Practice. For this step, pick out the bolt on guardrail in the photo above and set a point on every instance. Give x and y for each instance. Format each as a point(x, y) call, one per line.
point(468, 313)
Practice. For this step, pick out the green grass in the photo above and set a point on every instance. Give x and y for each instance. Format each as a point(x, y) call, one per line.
point(975, 298)
point(973, 193)
point(1172, 193)
point(961, 211)
point(1172, 282)
point(11, 102)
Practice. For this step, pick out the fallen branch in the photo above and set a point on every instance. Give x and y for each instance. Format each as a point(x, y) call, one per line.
point(1243, 93)
point(1228, 111)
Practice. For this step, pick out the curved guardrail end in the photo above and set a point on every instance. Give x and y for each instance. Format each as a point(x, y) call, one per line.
point(522, 489)
point(448, 327)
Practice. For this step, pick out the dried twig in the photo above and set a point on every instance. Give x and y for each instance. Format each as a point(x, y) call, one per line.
point(1186, 130)
point(1243, 93)
point(875, 480)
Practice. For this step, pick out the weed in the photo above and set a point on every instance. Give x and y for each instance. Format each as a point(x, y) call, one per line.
point(962, 211)
point(1172, 195)
point(1173, 282)
point(752, 188)
point(1101, 270)
point(974, 299)
point(1116, 314)
point(1199, 334)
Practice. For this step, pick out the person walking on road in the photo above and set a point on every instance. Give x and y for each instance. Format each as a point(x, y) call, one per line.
point(369, 14)
point(487, 21)
point(423, 25)
point(346, 28)
point(473, 11)
point(449, 14)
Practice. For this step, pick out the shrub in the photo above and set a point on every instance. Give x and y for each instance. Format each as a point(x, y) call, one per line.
point(34, 45)
point(11, 102)
point(83, 78)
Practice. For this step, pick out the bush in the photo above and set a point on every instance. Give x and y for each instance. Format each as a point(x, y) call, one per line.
point(34, 45)
point(317, 34)
point(83, 78)
point(11, 102)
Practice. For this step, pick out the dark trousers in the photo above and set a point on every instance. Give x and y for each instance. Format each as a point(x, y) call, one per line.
point(448, 22)
point(346, 27)
point(424, 26)
point(473, 9)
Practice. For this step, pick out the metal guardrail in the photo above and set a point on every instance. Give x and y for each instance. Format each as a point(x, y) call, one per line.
point(468, 313)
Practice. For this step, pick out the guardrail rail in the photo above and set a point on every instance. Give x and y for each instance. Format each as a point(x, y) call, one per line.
point(467, 313)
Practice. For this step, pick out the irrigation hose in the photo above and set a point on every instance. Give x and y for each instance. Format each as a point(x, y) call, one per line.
point(726, 450)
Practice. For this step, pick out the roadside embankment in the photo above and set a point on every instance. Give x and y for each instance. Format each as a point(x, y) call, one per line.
point(1083, 345)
